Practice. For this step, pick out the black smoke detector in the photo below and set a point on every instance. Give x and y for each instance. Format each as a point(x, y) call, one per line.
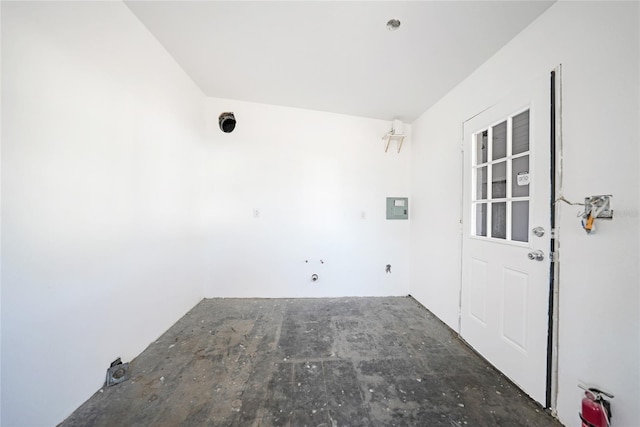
point(227, 122)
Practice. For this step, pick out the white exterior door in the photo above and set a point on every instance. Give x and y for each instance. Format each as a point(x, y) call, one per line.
point(506, 220)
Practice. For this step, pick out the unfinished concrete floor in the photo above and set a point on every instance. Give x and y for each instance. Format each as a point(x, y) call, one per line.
point(310, 362)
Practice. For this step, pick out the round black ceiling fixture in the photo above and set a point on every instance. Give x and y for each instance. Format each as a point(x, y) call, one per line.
point(393, 24)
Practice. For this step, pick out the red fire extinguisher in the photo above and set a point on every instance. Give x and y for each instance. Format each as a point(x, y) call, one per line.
point(596, 410)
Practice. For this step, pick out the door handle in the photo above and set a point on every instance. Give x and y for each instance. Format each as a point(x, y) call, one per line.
point(536, 255)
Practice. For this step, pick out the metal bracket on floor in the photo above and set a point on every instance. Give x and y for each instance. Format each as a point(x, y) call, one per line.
point(118, 372)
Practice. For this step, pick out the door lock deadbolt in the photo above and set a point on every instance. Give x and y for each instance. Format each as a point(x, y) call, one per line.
point(538, 231)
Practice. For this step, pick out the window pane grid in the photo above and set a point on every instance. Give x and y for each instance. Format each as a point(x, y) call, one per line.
point(500, 197)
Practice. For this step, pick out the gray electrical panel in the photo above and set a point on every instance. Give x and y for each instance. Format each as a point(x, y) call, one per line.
point(397, 208)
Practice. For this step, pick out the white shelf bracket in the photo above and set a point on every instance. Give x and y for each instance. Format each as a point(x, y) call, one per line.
point(398, 137)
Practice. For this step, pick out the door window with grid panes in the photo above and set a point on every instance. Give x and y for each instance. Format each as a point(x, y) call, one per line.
point(500, 204)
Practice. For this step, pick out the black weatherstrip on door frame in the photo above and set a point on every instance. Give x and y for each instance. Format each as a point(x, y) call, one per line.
point(552, 243)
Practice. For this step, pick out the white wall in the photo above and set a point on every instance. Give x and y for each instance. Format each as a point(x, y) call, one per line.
point(311, 176)
point(597, 45)
point(102, 143)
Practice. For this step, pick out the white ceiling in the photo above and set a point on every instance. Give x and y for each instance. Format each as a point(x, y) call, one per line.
point(335, 56)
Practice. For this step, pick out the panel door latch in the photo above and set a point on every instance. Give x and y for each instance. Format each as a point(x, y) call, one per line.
point(536, 255)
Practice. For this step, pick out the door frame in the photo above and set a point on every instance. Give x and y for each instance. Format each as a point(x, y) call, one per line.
point(555, 111)
point(554, 269)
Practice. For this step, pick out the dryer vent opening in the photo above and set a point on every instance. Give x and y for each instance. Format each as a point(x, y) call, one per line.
point(227, 122)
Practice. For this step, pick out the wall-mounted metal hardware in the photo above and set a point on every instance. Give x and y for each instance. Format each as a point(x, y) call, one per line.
point(118, 372)
point(314, 277)
point(538, 231)
point(536, 255)
point(598, 206)
point(387, 269)
point(397, 137)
